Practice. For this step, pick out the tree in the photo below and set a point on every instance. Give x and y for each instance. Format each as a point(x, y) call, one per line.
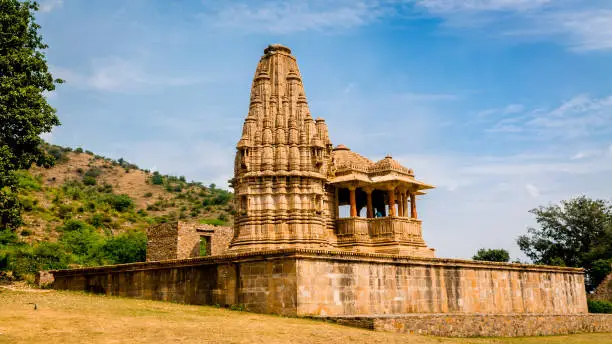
point(576, 232)
point(24, 111)
point(492, 255)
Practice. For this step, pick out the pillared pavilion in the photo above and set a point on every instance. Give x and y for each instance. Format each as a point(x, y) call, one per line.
point(290, 182)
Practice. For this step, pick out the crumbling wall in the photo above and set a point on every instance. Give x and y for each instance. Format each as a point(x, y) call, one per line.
point(604, 290)
point(162, 242)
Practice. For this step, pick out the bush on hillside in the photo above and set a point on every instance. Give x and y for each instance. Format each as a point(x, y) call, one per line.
point(157, 179)
point(599, 306)
point(120, 203)
point(127, 247)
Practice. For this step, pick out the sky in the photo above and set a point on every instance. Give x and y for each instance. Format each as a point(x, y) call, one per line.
point(503, 105)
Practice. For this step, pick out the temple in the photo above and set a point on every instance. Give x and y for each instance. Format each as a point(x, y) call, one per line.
point(321, 231)
point(290, 182)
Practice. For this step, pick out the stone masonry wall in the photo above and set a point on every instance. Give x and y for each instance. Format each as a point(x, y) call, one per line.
point(323, 283)
point(478, 325)
point(161, 242)
point(604, 290)
point(261, 285)
point(328, 287)
point(221, 239)
point(180, 240)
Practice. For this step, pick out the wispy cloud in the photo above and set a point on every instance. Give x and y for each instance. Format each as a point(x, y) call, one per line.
point(284, 17)
point(116, 74)
point(575, 118)
point(50, 5)
point(580, 25)
point(452, 6)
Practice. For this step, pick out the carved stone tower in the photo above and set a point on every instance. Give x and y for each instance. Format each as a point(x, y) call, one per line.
point(282, 164)
point(290, 184)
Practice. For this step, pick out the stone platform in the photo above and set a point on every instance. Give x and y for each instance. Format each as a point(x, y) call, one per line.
point(302, 282)
point(482, 325)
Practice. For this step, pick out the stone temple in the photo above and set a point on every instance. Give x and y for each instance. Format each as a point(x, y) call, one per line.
point(293, 252)
point(289, 181)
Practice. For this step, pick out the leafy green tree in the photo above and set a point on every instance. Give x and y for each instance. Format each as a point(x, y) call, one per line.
point(576, 232)
point(128, 247)
point(492, 255)
point(24, 111)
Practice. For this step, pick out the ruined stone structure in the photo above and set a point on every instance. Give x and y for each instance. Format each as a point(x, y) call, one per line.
point(292, 253)
point(289, 182)
point(603, 292)
point(180, 240)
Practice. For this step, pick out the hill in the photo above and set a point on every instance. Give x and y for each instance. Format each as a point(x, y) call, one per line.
point(111, 195)
point(85, 209)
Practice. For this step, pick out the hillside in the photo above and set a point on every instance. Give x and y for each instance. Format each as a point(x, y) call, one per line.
point(111, 195)
point(87, 210)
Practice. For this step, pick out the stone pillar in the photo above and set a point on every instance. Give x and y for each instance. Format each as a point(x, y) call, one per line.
point(353, 202)
point(400, 203)
point(413, 210)
point(369, 204)
point(392, 202)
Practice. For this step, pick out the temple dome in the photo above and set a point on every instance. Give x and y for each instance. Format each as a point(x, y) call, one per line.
point(388, 163)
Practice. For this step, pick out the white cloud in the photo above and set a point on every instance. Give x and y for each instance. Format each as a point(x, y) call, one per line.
point(452, 6)
point(284, 17)
point(116, 74)
point(581, 116)
point(580, 25)
point(50, 5)
point(532, 190)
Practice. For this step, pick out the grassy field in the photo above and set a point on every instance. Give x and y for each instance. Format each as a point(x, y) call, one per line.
point(69, 317)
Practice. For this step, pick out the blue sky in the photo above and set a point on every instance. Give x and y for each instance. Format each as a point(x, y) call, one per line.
point(504, 105)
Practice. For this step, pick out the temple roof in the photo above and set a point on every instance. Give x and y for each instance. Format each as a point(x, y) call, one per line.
point(352, 167)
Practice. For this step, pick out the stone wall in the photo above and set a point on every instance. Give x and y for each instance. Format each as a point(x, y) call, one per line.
point(345, 286)
point(162, 242)
point(262, 285)
point(479, 325)
point(604, 290)
point(331, 283)
point(180, 240)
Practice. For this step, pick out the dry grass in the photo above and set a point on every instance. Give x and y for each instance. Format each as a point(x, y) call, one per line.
point(69, 317)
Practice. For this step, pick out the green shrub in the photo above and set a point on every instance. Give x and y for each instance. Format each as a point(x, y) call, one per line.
point(94, 172)
point(119, 202)
point(214, 222)
point(28, 203)
point(64, 211)
point(8, 237)
point(599, 306)
point(78, 150)
point(148, 194)
point(73, 225)
point(157, 179)
point(89, 180)
point(26, 181)
point(26, 232)
point(127, 247)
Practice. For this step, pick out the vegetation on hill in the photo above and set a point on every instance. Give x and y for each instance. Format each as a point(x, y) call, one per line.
point(88, 210)
point(577, 233)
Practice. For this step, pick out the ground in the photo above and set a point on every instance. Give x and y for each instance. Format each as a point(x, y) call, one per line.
point(74, 317)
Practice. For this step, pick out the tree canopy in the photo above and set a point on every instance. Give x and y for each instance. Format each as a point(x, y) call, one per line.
point(576, 232)
point(492, 255)
point(24, 110)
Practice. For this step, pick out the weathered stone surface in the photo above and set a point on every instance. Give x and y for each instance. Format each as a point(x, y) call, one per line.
point(332, 283)
point(603, 292)
point(43, 278)
point(179, 240)
point(289, 182)
point(479, 325)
